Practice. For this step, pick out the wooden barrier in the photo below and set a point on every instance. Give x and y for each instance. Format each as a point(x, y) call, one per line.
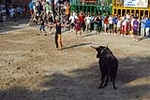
point(139, 11)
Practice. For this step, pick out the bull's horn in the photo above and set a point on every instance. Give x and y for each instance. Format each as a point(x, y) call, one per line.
point(94, 47)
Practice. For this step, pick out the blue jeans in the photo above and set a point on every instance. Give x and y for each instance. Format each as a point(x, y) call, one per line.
point(42, 27)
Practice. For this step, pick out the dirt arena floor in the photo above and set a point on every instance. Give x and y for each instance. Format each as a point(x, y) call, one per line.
point(31, 68)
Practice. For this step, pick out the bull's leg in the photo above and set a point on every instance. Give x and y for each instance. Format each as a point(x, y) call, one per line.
point(102, 81)
point(106, 81)
point(113, 82)
point(101, 85)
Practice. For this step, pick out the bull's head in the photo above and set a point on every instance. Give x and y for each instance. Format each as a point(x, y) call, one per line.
point(100, 50)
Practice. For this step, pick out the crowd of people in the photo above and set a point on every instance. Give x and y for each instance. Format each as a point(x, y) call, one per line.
point(127, 24)
point(49, 14)
point(11, 12)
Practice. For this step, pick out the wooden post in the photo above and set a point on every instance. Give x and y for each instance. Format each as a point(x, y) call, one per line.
point(148, 13)
point(113, 5)
point(116, 11)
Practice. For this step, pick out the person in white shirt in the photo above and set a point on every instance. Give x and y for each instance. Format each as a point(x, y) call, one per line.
point(128, 15)
point(124, 25)
point(87, 22)
point(110, 19)
point(12, 13)
point(119, 21)
point(132, 20)
point(72, 21)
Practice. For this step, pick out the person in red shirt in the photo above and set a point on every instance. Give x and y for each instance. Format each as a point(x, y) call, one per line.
point(106, 23)
point(78, 27)
point(81, 19)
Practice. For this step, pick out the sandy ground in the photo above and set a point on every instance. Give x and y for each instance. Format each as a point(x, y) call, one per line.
point(31, 68)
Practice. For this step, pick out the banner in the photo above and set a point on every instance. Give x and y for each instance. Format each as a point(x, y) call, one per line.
point(136, 3)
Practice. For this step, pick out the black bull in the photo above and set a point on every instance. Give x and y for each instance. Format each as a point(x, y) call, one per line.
point(108, 64)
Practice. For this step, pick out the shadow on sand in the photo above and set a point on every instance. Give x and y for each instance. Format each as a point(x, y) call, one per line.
point(82, 85)
point(76, 45)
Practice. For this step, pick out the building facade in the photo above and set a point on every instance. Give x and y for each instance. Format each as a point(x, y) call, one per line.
point(140, 7)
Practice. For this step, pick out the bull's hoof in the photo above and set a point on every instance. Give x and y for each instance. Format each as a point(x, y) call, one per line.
point(100, 87)
point(115, 88)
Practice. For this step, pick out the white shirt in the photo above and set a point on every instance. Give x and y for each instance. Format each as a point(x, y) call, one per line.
point(128, 16)
point(50, 1)
point(124, 21)
point(55, 2)
point(119, 23)
point(110, 20)
point(12, 11)
point(87, 19)
point(72, 19)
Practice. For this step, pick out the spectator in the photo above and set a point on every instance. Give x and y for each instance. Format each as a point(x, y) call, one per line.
point(67, 11)
point(100, 24)
point(78, 27)
point(143, 22)
point(72, 21)
point(115, 23)
point(111, 24)
point(31, 7)
point(124, 25)
point(87, 23)
point(119, 21)
point(42, 26)
point(48, 8)
point(106, 24)
point(1, 21)
point(12, 13)
point(147, 26)
point(50, 21)
point(135, 29)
